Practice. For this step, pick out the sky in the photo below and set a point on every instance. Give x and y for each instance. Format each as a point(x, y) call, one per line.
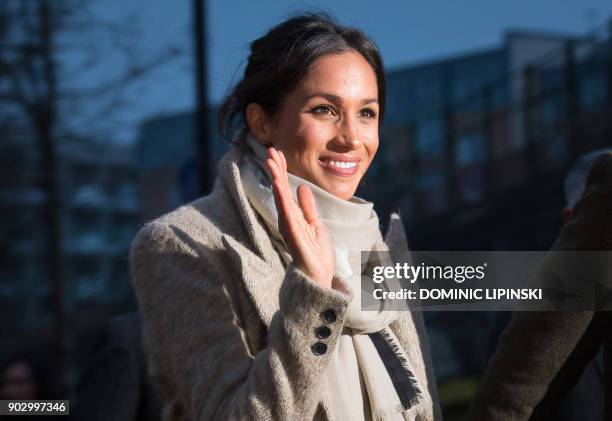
point(407, 33)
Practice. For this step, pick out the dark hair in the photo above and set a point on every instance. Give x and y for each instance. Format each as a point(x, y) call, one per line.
point(281, 58)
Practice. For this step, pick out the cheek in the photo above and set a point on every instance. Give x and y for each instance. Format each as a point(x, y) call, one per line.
point(301, 142)
point(371, 145)
point(312, 139)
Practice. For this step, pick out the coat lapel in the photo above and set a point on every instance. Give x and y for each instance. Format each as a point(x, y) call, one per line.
point(229, 171)
point(261, 268)
point(262, 279)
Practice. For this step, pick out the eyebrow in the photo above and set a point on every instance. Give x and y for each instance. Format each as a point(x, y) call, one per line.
point(337, 99)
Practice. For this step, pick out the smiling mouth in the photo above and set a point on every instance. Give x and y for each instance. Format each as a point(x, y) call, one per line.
point(345, 168)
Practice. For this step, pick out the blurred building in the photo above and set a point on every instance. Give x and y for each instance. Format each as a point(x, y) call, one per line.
point(473, 153)
point(99, 216)
point(166, 162)
point(478, 144)
point(473, 148)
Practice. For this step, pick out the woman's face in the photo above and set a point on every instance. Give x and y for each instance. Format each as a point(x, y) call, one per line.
point(327, 127)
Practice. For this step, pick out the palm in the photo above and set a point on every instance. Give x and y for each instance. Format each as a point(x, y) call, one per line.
point(300, 225)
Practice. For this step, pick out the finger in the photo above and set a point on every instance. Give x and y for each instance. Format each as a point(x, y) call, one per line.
point(283, 160)
point(283, 207)
point(282, 172)
point(308, 205)
point(272, 155)
point(275, 172)
point(275, 157)
point(287, 207)
point(275, 166)
point(283, 163)
point(282, 196)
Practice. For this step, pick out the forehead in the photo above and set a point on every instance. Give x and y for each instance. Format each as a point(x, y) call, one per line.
point(347, 75)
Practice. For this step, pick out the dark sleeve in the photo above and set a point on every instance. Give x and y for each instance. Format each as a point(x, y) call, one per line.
point(541, 353)
point(110, 387)
point(577, 389)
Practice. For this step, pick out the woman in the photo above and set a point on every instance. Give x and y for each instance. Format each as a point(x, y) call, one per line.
point(248, 296)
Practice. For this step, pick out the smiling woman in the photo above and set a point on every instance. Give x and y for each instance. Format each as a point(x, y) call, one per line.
point(251, 296)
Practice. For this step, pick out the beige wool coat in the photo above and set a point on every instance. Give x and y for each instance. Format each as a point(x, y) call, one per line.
point(229, 331)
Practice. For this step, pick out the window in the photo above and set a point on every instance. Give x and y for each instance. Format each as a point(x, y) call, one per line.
point(430, 139)
point(551, 112)
point(121, 231)
point(86, 235)
point(471, 184)
point(593, 91)
point(89, 196)
point(431, 189)
point(87, 282)
point(470, 149)
point(126, 196)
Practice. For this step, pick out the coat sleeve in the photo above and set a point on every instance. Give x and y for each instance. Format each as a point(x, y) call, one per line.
point(198, 352)
point(110, 388)
point(541, 353)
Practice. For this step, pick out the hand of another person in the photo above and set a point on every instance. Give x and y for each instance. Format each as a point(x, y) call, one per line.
point(305, 235)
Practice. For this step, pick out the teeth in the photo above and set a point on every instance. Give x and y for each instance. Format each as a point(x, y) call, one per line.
point(340, 164)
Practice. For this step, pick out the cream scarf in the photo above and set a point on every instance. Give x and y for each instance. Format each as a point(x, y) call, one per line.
point(363, 385)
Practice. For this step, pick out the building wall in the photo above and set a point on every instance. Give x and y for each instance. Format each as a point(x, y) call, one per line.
point(166, 157)
point(454, 139)
point(99, 216)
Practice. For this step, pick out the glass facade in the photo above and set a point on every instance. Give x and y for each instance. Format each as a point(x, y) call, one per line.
point(446, 103)
point(99, 215)
point(464, 113)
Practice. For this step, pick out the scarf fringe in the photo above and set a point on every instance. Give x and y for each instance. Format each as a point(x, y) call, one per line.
point(401, 356)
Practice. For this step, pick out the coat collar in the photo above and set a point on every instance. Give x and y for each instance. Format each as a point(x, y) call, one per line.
point(229, 171)
point(261, 268)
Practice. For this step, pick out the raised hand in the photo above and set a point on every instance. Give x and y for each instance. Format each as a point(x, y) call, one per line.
point(299, 223)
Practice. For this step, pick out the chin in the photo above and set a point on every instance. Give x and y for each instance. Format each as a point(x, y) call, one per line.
point(341, 190)
point(342, 193)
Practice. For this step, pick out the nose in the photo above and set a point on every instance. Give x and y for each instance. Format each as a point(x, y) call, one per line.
point(348, 133)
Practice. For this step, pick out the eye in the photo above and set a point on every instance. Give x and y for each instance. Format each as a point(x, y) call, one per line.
point(323, 109)
point(369, 113)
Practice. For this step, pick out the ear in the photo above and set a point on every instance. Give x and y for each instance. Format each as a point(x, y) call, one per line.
point(258, 123)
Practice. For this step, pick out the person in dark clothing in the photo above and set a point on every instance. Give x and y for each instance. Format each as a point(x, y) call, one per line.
point(116, 384)
point(585, 401)
point(541, 355)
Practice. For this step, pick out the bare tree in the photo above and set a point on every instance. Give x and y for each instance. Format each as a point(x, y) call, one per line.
point(37, 37)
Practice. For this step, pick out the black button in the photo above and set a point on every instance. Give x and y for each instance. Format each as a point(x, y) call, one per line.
point(323, 332)
point(319, 348)
point(329, 315)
